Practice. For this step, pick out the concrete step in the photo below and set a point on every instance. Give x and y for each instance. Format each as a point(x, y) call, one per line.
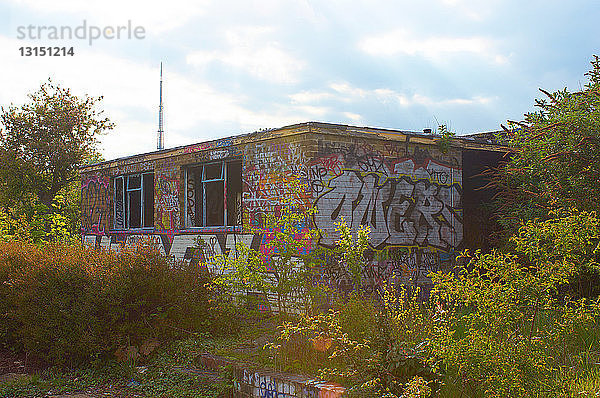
point(251, 381)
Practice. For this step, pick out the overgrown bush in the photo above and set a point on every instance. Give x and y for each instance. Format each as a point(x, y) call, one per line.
point(37, 223)
point(282, 268)
point(554, 162)
point(501, 325)
point(512, 331)
point(375, 344)
point(375, 347)
point(69, 304)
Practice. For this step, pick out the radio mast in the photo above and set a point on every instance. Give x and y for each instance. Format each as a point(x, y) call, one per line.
point(160, 142)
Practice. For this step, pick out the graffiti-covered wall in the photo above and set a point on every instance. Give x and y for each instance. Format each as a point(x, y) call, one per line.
point(95, 204)
point(408, 195)
point(406, 191)
point(274, 175)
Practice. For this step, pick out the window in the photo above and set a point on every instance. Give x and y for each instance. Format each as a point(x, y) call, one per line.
point(214, 194)
point(134, 201)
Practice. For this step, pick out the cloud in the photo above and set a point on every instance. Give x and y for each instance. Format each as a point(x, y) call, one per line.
point(236, 67)
point(130, 91)
point(252, 50)
point(347, 93)
point(402, 42)
point(355, 117)
point(473, 9)
point(304, 97)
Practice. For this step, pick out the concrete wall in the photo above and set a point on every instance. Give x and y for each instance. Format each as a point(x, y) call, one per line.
point(408, 192)
point(252, 382)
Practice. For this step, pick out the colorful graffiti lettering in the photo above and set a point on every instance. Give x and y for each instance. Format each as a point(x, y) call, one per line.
point(207, 145)
point(167, 199)
point(95, 204)
point(270, 171)
point(405, 202)
point(125, 168)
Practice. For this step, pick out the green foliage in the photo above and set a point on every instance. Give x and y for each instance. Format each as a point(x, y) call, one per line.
point(417, 387)
point(564, 251)
point(443, 143)
point(42, 145)
point(44, 142)
point(281, 268)
point(376, 345)
point(36, 223)
point(555, 165)
point(69, 304)
point(377, 348)
point(168, 372)
point(555, 162)
point(14, 227)
point(500, 326)
point(506, 323)
point(350, 249)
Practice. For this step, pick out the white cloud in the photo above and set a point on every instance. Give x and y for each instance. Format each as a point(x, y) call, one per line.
point(402, 42)
point(355, 117)
point(306, 96)
point(130, 93)
point(319, 111)
point(130, 89)
point(251, 49)
point(475, 10)
point(427, 101)
point(345, 92)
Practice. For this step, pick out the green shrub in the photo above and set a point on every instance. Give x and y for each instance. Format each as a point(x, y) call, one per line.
point(378, 348)
point(69, 304)
point(375, 345)
point(500, 326)
point(511, 332)
point(37, 223)
point(282, 269)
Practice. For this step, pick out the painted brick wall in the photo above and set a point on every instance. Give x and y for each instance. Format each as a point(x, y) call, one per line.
point(408, 193)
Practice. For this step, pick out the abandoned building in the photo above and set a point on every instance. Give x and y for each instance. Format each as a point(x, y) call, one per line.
point(421, 199)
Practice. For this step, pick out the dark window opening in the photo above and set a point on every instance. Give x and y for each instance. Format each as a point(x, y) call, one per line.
point(479, 224)
point(148, 200)
point(134, 201)
point(213, 194)
point(234, 193)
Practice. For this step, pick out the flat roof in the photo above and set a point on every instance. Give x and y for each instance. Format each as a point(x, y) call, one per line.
point(481, 141)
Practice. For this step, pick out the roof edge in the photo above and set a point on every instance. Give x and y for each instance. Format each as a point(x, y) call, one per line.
point(465, 141)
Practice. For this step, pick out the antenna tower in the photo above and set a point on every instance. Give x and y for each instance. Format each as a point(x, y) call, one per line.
point(160, 142)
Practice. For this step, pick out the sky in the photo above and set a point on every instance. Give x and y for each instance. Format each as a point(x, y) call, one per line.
point(233, 67)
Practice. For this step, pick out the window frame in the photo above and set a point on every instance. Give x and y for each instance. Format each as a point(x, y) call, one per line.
point(126, 202)
point(201, 169)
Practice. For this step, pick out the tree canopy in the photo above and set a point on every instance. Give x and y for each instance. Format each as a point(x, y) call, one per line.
point(556, 163)
point(45, 141)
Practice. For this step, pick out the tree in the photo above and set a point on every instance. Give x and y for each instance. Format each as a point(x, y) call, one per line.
point(44, 142)
point(556, 163)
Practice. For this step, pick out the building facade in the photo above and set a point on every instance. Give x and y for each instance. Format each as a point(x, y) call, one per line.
point(419, 198)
